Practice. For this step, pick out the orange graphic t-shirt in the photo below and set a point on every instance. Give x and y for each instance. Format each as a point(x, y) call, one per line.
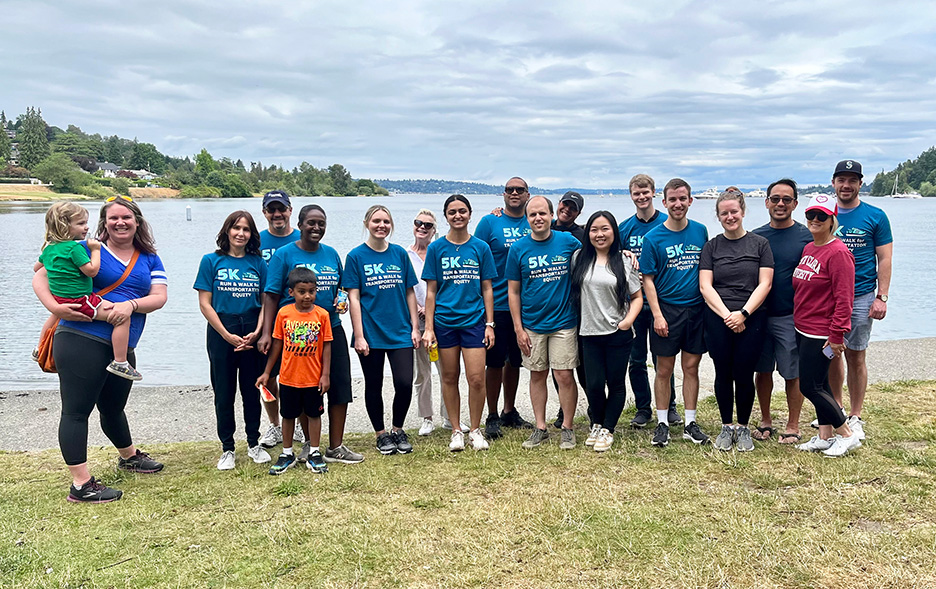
point(303, 336)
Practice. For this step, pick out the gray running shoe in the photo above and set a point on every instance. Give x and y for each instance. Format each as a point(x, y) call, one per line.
point(536, 438)
point(304, 453)
point(566, 439)
point(399, 438)
point(745, 442)
point(343, 454)
point(725, 438)
point(661, 435)
point(386, 444)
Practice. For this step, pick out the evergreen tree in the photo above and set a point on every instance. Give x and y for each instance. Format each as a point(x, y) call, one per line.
point(5, 147)
point(112, 151)
point(33, 141)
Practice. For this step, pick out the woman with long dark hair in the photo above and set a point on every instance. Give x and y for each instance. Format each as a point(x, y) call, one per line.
point(606, 289)
point(230, 281)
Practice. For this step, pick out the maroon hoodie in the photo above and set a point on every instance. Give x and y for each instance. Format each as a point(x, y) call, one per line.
point(824, 291)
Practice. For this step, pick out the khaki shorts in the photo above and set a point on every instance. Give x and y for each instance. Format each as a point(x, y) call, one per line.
point(557, 350)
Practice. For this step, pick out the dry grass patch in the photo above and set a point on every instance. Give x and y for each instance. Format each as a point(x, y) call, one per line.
point(635, 517)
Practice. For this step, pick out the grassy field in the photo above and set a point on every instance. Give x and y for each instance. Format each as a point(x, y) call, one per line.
point(637, 516)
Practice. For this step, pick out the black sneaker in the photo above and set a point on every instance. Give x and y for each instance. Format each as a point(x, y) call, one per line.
point(513, 419)
point(140, 462)
point(559, 419)
point(673, 417)
point(641, 420)
point(661, 435)
point(694, 434)
point(385, 444)
point(93, 492)
point(492, 427)
point(316, 463)
point(283, 463)
point(402, 442)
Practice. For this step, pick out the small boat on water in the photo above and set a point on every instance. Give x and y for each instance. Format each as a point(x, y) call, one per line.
point(894, 194)
point(758, 193)
point(708, 193)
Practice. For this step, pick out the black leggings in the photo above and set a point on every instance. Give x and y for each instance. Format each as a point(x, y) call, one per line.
point(735, 356)
point(83, 383)
point(605, 358)
point(230, 368)
point(401, 366)
point(814, 380)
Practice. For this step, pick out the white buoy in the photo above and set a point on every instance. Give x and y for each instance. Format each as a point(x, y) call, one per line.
point(188, 212)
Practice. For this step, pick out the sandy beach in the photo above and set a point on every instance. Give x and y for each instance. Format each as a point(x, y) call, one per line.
point(186, 413)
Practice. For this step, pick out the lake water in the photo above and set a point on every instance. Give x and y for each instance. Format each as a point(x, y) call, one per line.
point(172, 350)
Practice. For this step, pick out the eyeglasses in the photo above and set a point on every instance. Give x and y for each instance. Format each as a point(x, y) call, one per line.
point(777, 199)
point(816, 215)
point(417, 224)
point(514, 189)
point(113, 198)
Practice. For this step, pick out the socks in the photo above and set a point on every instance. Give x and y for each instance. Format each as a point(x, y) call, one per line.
point(288, 451)
point(663, 416)
point(313, 449)
point(690, 416)
point(124, 364)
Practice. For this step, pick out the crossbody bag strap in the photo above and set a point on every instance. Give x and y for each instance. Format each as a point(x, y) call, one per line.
point(126, 272)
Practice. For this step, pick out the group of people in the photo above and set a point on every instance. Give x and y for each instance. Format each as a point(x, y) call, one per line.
point(529, 288)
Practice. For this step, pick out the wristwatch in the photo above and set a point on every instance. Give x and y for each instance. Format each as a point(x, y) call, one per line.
point(882, 297)
point(745, 313)
point(491, 324)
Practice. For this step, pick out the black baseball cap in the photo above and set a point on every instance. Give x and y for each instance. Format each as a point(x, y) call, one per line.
point(848, 167)
point(575, 198)
point(279, 196)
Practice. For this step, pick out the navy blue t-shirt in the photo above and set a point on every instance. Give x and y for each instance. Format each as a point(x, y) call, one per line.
point(787, 247)
point(235, 284)
point(383, 278)
point(542, 267)
point(672, 258)
point(500, 233)
point(325, 262)
point(269, 243)
point(458, 271)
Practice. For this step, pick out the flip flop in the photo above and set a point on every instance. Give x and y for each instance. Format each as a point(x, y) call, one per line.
point(763, 433)
point(794, 438)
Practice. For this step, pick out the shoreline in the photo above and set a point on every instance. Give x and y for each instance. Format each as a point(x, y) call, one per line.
point(31, 416)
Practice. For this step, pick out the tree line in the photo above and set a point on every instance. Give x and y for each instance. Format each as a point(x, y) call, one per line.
point(917, 175)
point(69, 160)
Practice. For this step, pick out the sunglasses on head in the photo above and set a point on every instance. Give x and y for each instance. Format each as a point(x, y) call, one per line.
point(816, 215)
point(514, 189)
point(778, 199)
point(428, 225)
point(113, 198)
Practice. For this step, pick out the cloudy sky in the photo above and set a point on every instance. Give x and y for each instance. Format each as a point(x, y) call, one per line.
point(562, 93)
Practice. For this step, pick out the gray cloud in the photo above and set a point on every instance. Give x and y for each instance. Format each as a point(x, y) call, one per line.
point(584, 94)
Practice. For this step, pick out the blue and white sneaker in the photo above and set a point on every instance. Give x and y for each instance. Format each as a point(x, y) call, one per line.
point(282, 463)
point(316, 462)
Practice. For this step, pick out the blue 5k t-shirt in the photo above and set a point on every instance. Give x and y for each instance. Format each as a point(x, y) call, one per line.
point(672, 258)
point(458, 271)
point(862, 229)
point(633, 230)
point(542, 267)
point(269, 243)
point(500, 233)
point(325, 262)
point(235, 284)
point(383, 278)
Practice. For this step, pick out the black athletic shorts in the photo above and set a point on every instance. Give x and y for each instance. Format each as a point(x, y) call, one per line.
point(295, 401)
point(505, 347)
point(685, 330)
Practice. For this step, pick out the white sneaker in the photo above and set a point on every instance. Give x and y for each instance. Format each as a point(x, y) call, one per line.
point(427, 426)
point(303, 455)
point(815, 444)
point(458, 442)
point(477, 440)
point(814, 424)
point(604, 440)
point(446, 424)
point(272, 437)
point(298, 436)
point(226, 462)
point(593, 434)
point(258, 455)
point(842, 445)
point(857, 426)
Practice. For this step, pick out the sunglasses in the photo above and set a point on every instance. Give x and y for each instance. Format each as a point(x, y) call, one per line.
point(778, 199)
point(417, 224)
point(113, 198)
point(514, 189)
point(816, 215)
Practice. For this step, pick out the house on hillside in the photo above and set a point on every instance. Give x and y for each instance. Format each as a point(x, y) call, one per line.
point(11, 133)
point(142, 174)
point(108, 169)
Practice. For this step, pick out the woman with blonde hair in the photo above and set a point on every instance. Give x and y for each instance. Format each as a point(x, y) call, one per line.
point(379, 278)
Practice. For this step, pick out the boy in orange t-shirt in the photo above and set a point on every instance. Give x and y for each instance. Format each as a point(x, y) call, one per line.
point(302, 337)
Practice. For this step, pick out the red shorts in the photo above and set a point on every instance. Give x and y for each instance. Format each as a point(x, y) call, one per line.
point(89, 303)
